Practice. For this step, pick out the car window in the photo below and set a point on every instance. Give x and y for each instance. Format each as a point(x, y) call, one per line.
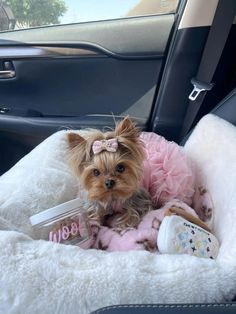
point(18, 14)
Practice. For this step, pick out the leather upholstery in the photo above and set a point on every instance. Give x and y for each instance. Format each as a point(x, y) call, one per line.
point(224, 308)
point(226, 109)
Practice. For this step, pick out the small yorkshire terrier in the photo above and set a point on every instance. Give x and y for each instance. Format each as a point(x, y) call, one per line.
point(109, 166)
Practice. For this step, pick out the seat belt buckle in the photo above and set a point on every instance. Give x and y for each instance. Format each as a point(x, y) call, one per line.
point(199, 87)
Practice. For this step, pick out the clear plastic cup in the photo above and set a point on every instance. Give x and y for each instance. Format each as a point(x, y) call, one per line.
point(66, 223)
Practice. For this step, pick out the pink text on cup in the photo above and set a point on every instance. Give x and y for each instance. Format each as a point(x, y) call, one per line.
point(64, 233)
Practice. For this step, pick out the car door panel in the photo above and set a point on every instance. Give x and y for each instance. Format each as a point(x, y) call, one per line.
point(79, 86)
point(78, 75)
point(138, 36)
point(69, 79)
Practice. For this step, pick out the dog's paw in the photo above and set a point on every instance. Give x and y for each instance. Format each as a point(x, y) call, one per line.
point(205, 213)
point(156, 223)
point(203, 204)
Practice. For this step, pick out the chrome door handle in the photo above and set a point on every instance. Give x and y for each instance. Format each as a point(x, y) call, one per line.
point(7, 74)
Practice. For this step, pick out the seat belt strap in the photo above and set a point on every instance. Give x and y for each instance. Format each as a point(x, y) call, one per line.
point(218, 34)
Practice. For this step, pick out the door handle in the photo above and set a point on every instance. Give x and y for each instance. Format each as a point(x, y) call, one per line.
point(7, 74)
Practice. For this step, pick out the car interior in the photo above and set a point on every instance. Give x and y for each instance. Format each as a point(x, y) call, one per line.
point(90, 74)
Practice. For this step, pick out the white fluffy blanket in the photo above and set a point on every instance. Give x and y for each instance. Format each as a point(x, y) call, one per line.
point(43, 277)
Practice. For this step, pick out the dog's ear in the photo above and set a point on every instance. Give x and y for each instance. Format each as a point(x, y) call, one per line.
point(128, 136)
point(127, 128)
point(77, 152)
point(75, 140)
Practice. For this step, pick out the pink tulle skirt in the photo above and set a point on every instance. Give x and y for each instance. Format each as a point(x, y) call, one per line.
point(168, 172)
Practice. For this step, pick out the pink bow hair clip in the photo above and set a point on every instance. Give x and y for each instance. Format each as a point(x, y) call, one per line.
point(110, 145)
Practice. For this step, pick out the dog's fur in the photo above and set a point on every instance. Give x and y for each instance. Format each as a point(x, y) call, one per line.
point(124, 167)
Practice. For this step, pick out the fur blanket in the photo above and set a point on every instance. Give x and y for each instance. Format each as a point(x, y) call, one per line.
point(38, 276)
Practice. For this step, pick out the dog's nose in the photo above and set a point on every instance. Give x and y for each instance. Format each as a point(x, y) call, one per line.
point(109, 183)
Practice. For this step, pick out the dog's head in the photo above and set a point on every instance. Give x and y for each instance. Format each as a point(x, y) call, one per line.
point(109, 165)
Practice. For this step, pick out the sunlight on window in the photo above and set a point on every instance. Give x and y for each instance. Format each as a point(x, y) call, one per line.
point(17, 14)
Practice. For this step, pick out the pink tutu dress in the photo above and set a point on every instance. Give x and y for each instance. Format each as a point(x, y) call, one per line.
point(168, 173)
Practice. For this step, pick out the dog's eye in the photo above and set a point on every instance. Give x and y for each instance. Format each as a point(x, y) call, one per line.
point(96, 172)
point(120, 168)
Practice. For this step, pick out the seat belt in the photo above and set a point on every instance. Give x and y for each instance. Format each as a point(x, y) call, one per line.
point(218, 34)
